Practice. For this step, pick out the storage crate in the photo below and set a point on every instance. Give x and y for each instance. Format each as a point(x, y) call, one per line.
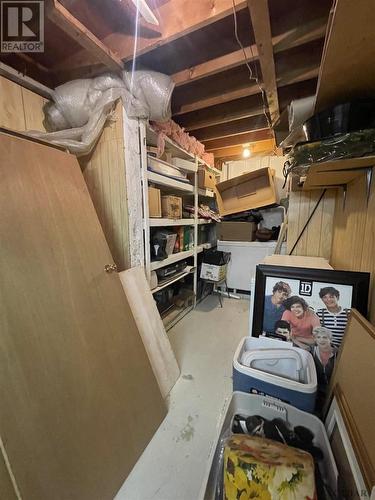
point(256, 381)
point(250, 404)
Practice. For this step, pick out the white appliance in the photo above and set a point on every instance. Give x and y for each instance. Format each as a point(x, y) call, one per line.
point(245, 255)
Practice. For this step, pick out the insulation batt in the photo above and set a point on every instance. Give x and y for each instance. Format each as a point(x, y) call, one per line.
point(172, 130)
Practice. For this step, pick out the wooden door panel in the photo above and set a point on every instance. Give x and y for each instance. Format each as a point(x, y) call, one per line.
point(79, 401)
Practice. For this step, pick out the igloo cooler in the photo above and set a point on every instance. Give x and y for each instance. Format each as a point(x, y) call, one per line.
point(270, 367)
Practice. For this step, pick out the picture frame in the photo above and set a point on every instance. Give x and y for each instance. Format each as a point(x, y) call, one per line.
point(308, 277)
point(340, 427)
point(310, 308)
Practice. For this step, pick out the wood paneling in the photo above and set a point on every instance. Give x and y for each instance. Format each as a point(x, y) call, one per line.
point(79, 400)
point(353, 247)
point(104, 173)
point(317, 239)
point(20, 108)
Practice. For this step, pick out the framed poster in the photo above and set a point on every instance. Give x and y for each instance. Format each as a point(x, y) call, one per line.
point(309, 307)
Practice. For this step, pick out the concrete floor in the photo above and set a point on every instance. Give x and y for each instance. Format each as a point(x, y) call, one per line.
point(174, 463)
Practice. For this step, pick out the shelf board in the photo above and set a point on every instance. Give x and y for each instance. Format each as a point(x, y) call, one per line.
point(176, 257)
point(187, 168)
point(156, 222)
point(173, 280)
point(171, 259)
point(206, 192)
point(336, 173)
point(213, 169)
point(175, 315)
point(170, 146)
point(162, 180)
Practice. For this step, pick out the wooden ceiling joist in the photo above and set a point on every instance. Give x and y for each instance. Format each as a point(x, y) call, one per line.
point(267, 145)
point(237, 140)
point(303, 34)
point(223, 113)
point(260, 19)
point(231, 128)
point(64, 20)
point(175, 20)
point(295, 75)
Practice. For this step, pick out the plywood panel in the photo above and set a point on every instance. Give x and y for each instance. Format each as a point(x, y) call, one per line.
point(79, 400)
point(104, 172)
point(11, 105)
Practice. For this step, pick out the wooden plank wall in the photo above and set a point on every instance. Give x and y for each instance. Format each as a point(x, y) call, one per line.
point(20, 109)
point(316, 241)
point(104, 173)
point(353, 247)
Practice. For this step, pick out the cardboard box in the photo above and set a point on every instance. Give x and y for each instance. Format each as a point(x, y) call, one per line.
point(248, 191)
point(212, 272)
point(206, 179)
point(171, 207)
point(154, 202)
point(236, 231)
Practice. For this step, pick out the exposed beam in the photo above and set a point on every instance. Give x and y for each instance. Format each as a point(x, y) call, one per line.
point(231, 128)
point(222, 113)
point(302, 34)
point(235, 151)
point(236, 140)
point(293, 76)
point(177, 18)
point(242, 108)
point(214, 66)
point(25, 81)
point(62, 18)
point(260, 18)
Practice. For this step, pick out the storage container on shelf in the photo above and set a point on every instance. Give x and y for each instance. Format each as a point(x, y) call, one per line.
point(268, 408)
point(161, 167)
point(276, 377)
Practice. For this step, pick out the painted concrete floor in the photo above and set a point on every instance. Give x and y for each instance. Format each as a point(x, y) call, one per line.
point(174, 463)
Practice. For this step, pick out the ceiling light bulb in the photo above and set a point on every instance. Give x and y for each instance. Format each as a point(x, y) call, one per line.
point(246, 153)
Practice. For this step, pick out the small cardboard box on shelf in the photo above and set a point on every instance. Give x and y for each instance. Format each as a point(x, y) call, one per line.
point(171, 207)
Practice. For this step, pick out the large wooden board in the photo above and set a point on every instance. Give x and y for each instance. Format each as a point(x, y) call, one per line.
point(151, 328)
point(355, 387)
point(79, 400)
point(346, 72)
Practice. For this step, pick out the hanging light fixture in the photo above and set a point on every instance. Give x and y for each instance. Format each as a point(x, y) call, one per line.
point(246, 153)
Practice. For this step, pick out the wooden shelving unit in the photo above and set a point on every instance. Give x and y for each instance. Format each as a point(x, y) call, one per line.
point(170, 185)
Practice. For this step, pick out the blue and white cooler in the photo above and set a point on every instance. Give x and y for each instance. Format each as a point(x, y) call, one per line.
point(275, 368)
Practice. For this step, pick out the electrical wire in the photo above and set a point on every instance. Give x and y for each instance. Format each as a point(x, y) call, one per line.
point(247, 63)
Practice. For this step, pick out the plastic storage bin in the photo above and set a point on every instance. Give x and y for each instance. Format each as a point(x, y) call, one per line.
point(260, 380)
point(250, 404)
